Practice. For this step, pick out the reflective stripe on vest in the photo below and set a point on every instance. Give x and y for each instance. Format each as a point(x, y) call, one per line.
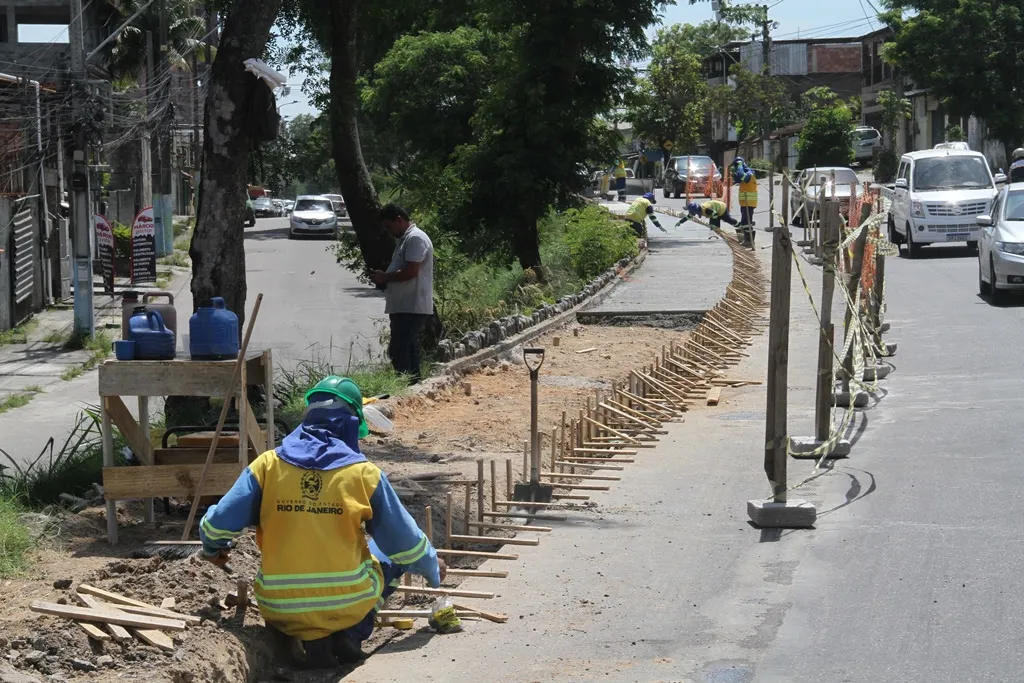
point(328, 580)
point(322, 603)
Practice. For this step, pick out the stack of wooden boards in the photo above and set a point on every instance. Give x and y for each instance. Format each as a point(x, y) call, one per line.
point(104, 615)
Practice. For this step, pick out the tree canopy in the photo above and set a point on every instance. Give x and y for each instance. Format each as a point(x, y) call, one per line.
point(969, 53)
point(825, 139)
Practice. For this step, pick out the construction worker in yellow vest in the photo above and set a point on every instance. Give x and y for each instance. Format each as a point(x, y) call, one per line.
point(620, 180)
point(639, 211)
point(314, 502)
point(746, 179)
point(715, 210)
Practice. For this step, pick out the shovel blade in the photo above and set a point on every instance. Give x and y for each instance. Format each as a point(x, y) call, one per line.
point(533, 492)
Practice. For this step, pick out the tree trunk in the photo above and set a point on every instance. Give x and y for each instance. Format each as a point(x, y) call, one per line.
point(527, 246)
point(353, 176)
point(218, 248)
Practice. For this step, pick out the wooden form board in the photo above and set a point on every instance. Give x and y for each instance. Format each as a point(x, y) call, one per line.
point(167, 480)
point(178, 377)
point(107, 616)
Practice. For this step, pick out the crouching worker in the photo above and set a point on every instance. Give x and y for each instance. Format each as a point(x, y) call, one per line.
point(314, 500)
point(639, 211)
point(717, 211)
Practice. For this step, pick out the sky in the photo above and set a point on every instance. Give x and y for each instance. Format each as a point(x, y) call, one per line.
point(796, 18)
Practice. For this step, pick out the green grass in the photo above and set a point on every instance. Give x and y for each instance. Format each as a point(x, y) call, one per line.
point(99, 348)
point(19, 334)
point(373, 378)
point(70, 468)
point(178, 258)
point(14, 538)
point(15, 401)
point(58, 338)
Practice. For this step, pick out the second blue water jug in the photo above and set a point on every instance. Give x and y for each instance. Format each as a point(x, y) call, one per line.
point(213, 332)
point(153, 340)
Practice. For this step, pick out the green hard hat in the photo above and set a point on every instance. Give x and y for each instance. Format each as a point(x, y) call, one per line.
point(348, 391)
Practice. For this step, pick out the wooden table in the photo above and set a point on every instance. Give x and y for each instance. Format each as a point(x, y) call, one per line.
point(174, 472)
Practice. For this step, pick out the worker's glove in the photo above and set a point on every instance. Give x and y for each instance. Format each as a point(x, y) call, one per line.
point(658, 225)
point(682, 220)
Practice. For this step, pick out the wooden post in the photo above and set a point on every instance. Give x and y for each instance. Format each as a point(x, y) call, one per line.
point(853, 285)
point(449, 504)
point(554, 447)
point(479, 490)
point(428, 523)
point(526, 461)
point(469, 508)
point(785, 200)
point(107, 431)
point(826, 336)
point(144, 429)
point(508, 478)
point(494, 483)
point(775, 454)
point(878, 291)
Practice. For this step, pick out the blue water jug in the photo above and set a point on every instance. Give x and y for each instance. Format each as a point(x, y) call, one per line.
point(213, 332)
point(153, 340)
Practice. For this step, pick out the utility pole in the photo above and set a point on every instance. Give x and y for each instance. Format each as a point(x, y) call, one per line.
point(146, 141)
point(163, 210)
point(766, 70)
point(81, 216)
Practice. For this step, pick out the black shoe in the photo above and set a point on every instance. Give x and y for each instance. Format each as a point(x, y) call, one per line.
point(320, 654)
point(346, 650)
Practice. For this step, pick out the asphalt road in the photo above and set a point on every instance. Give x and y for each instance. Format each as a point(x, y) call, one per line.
point(912, 573)
point(311, 305)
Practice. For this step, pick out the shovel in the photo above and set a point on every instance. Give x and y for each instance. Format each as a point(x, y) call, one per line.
point(534, 492)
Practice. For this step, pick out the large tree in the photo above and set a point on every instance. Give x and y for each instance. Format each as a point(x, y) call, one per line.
point(752, 101)
point(969, 52)
point(217, 250)
point(670, 102)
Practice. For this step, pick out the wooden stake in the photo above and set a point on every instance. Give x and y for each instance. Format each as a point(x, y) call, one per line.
point(450, 503)
point(497, 540)
point(554, 446)
point(775, 455)
point(480, 573)
point(494, 483)
point(593, 477)
point(477, 553)
point(479, 491)
point(508, 480)
point(511, 527)
point(825, 389)
point(608, 429)
point(454, 592)
point(469, 507)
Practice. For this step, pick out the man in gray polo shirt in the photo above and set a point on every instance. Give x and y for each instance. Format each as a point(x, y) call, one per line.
point(409, 288)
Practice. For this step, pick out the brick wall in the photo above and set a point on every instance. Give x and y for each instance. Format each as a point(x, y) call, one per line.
point(834, 59)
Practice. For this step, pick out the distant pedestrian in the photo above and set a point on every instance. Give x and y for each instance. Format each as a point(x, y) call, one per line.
point(409, 289)
point(620, 180)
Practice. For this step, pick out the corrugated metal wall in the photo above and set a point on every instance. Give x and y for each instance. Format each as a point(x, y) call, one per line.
point(786, 59)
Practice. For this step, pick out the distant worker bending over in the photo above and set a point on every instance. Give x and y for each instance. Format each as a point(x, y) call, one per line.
point(639, 211)
point(314, 501)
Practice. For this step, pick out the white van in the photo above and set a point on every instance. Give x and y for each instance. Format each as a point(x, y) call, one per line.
point(937, 195)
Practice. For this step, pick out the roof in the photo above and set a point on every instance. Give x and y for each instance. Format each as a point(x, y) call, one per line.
point(933, 153)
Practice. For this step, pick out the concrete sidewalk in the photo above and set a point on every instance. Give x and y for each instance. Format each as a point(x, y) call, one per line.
point(666, 580)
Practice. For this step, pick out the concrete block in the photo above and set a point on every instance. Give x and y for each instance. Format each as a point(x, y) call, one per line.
point(842, 399)
point(889, 351)
point(793, 514)
point(876, 373)
point(803, 447)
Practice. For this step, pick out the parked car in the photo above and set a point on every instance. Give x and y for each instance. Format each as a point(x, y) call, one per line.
point(339, 205)
point(835, 182)
point(278, 206)
point(264, 207)
point(250, 212)
point(690, 175)
point(313, 215)
point(865, 140)
point(289, 204)
point(938, 196)
point(1001, 245)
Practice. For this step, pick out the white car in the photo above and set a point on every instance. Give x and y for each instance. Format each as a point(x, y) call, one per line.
point(865, 140)
point(834, 182)
point(313, 215)
point(938, 196)
point(1001, 247)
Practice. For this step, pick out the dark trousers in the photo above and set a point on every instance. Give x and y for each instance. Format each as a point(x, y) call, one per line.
point(717, 222)
point(747, 215)
point(406, 339)
point(639, 228)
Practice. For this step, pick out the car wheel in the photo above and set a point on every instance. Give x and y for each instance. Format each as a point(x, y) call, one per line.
point(894, 236)
point(913, 249)
point(665, 193)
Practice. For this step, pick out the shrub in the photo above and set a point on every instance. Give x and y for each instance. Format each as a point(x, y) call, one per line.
point(885, 165)
point(596, 241)
point(760, 166)
point(825, 140)
point(14, 538)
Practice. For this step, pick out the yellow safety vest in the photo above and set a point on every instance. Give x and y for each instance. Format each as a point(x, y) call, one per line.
point(748, 192)
point(620, 172)
point(637, 211)
point(714, 208)
point(317, 575)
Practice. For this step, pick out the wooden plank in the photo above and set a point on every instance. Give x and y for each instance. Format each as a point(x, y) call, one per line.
point(495, 540)
point(119, 601)
point(476, 553)
point(606, 428)
point(610, 449)
point(479, 573)
point(590, 466)
point(257, 437)
point(137, 441)
point(714, 396)
point(167, 480)
point(592, 477)
point(540, 517)
point(624, 461)
point(157, 612)
point(197, 456)
point(568, 496)
point(530, 504)
point(510, 527)
point(93, 631)
point(166, 378)
point(106, 616)
point(453, 592)
point(203, 440)
point(120, 633)
point(496, 618)
point(157, 639)
point(581, 487)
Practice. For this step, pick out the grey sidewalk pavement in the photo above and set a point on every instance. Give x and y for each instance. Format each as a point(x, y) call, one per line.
point(40, 364)
point(665, 580)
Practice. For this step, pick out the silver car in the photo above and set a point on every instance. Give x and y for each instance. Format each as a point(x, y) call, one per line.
point(313, 215)
point(834, 182)
point(1001, 245)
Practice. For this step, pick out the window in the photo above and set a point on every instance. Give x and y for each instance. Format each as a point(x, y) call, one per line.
point(313, 205)
point(952, 173)
point(904, 171)
point(1011, 206)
